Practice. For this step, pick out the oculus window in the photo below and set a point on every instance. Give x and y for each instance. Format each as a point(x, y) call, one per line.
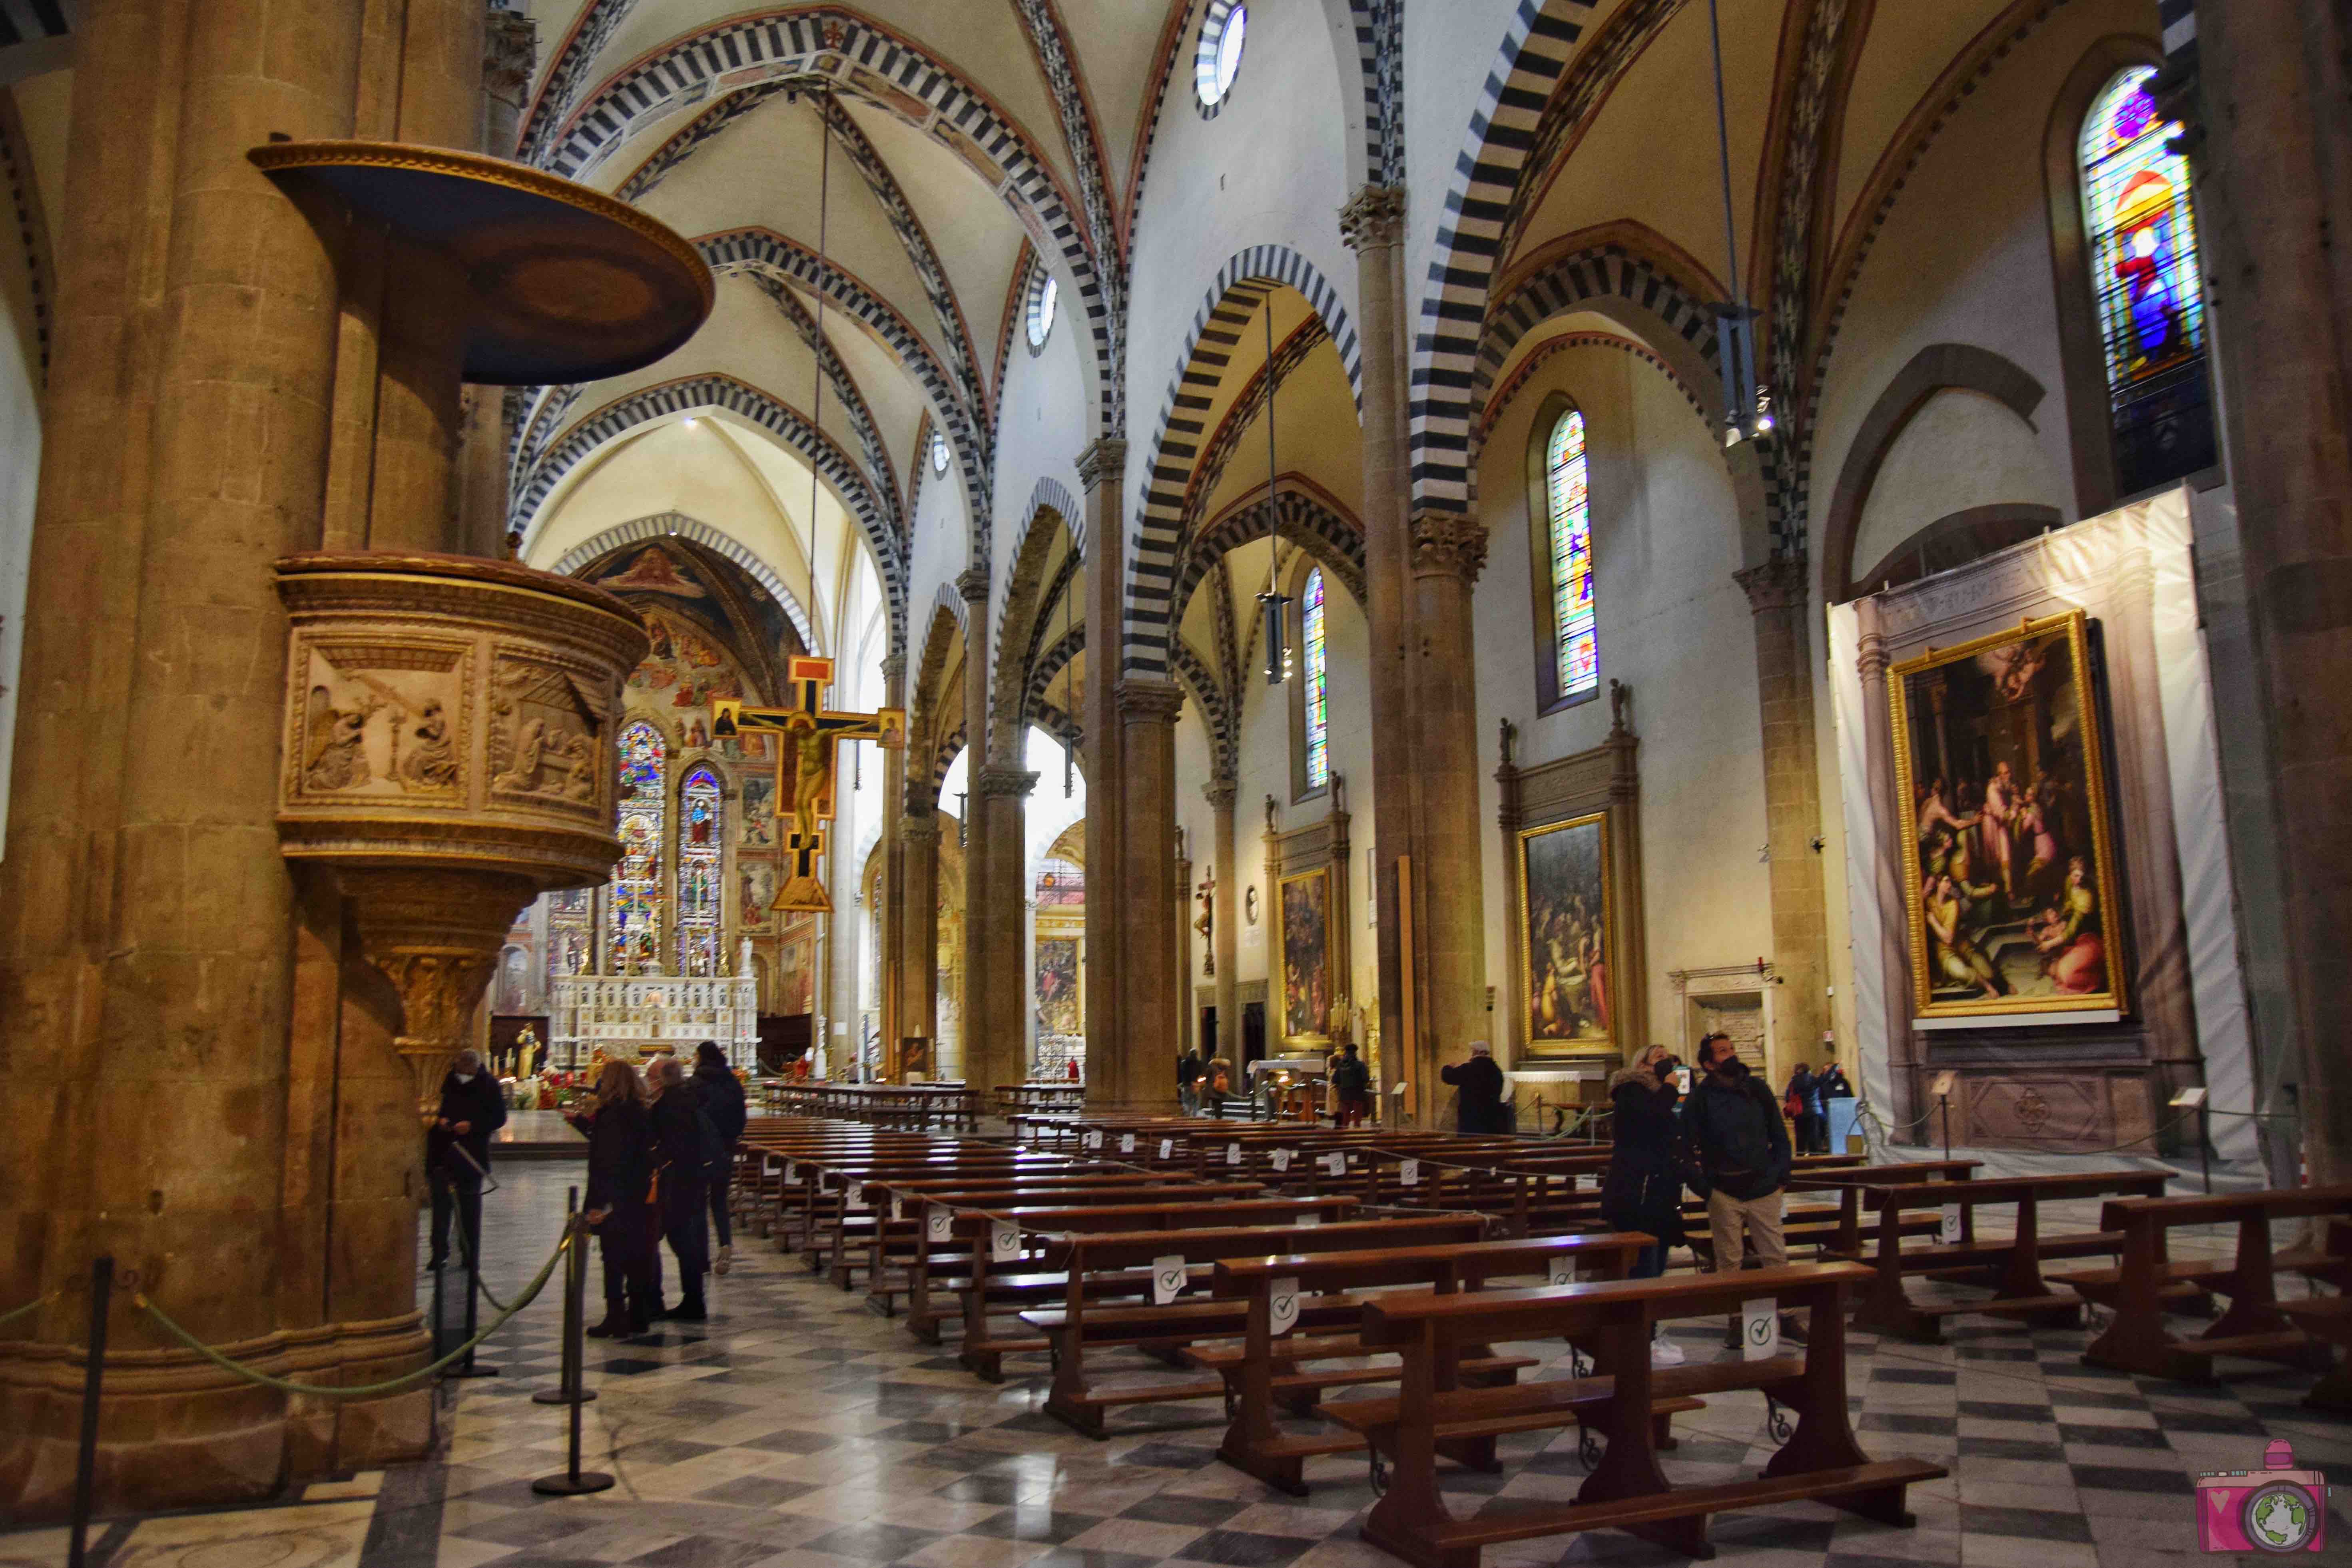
point(1219, 59)
point(1044, 294)
point(938, 453)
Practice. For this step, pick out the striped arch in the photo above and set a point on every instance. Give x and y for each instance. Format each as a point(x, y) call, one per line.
point(1306, 517)
point(1024, 605)
point(1486, 173)
point(1242, 283)
point(1522, 373)
point(1217, 714)
point(854, 406)
point(859, 57)
point(677, 525)
point(787, 424)
point(943, 756)
point(1064, 729)
point(1064, 575)
point(946, 624)
point(1047, 663)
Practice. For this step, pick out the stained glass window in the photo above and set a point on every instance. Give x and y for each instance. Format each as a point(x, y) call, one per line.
point(2143, 244)
point(1318, 684)
point(700, 850)
point(633, 935)
point(1576, 644)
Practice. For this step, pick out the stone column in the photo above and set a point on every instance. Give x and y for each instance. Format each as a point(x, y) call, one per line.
point(1778, 592)
point(2277, 197)
point(918, 923)
point(1101, 468)
point(894, 873)
point(1221, 794)
point(1449, 876)
point(1372, 225)
point(162, 1126)
point(1148, 984)
point(1004, 798)
point(980, 1020)
point(1904, 1063)
point(510, 55)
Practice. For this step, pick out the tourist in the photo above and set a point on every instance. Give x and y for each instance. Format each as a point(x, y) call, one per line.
point(1220, 1090)
point(1189, 1069)
point(1737, 1157)
point(720, 1094)
point(1479, 1083)
point(620, 1188)
point(1643, 1190)
point(458, 1152)
point(1351, 1086)
point(687, 1146)
point(1805, 1111)
point(1833, 1083)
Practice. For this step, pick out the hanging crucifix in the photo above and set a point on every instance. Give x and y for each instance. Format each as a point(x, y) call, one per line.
point(808, 731)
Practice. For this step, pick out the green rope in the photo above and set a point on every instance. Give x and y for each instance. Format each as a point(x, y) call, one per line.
point(30, 1307)
point(480, 1284)
point(366, 1390)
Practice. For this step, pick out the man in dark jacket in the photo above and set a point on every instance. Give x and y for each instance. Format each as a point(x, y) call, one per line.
point(685, 1143)
point(1351, 1086)
point(1479, 1083)
point(720, 1095)
point(1190, 1070)
point(620, 1156)
point(458, 1152)
point(1737, 1153)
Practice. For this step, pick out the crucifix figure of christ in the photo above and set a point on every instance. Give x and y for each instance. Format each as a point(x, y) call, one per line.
point(808, 733)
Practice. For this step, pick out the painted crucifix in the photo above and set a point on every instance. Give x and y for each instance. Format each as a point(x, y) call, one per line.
point(808, 731)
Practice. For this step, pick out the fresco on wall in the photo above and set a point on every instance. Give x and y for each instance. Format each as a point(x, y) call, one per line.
point(1057, 986)
point(2010, 886)
point(1306, 954)
point(1563, 887)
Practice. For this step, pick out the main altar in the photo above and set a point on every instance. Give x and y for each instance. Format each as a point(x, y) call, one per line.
point(634, 1017)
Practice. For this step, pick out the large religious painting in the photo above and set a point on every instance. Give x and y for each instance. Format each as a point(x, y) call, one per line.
point(1307, 987)
point(1057, 987)
point(2009, 886)
point(1566, 923)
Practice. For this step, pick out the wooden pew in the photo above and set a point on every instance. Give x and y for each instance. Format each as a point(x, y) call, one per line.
point(1267, 1365)
point(1626, 1490)
point(2012, 1269)
point(2257, 1326)
point(1086, 1322)
point(2327, 1319)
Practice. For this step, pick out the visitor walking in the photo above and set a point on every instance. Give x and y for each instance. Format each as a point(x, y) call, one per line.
point(1736, 1156)
point(720, 1094)
point(458, 1152)
point(1189, 1069)
point(1643, 1190)
point(620, 1184)
point(1478, 1085)
point(1804, 1109)
point(1351, 1086)
point(686, 1147)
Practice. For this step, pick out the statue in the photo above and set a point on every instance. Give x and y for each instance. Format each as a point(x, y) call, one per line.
point(744, 959)
point(1621, 707)
point(331, 739)
point(1510, 737)
point(526, 1052)
point(1270, 829)
point(432, 763)
point(1207, 924)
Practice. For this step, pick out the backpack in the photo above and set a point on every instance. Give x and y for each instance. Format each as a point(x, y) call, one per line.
point(1736, 1140)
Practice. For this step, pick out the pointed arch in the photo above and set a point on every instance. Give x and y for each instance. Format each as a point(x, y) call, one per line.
point(1305, 515)
point(1217, 715)
point(1020, 618)
point(678, 524)
point(946, 625)
point(1049, 662)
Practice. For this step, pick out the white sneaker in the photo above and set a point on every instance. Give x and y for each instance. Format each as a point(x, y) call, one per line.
point(1666, 1352)
point(725, 1260)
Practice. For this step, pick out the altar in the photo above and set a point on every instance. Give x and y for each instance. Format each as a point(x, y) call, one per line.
point(634, 1017)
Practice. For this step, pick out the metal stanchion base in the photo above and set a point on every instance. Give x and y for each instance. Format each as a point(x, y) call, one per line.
point(557, 1396)
point(569, 1485)
point(457, 1372)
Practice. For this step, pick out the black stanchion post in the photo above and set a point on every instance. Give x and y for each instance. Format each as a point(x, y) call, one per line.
point(567, 1389)
point(440, 1271)
point(471, 1240)
point(102, 1292)
point(574, 1481)
point(1944, 1104)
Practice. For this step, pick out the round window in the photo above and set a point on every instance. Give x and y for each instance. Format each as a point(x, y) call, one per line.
point(1042, 296)
point(938, 453)
point(1219, 57)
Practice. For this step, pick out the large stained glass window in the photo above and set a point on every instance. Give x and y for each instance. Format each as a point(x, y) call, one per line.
point(1576, 645)
point(1318, 684)
point(2143, 245)
point(634, 936)
point(701, 851)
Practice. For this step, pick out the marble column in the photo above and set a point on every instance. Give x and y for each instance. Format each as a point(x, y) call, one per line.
point(894, 874)
point(919, 922)
point(1102, 467)
point(1228, 904)
point(1905, 1062)
point(150, 935)
point(980, 1022)
point(1449, 875)
point(2277, 201)
point(1149, 985)
point(1778, 592)
point(1003, 799)
point(1372, 225)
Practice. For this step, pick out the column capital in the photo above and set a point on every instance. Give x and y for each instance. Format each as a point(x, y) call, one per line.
point(923, 832)
point(1778, 584)
point(1872, 659)
point(1220, 795)
point(1149, 701)
point(999, 783)
point(972, 583)
point(1103, 463)
point(894, 665)
point(1372, 217)
point(509, 53)
point(1448, 544)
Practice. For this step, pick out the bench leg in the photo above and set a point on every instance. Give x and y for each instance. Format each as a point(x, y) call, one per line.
point(1883, 1504)
point(2333, 1392)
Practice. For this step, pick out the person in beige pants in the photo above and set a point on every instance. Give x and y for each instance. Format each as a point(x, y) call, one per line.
point(1736, 1145)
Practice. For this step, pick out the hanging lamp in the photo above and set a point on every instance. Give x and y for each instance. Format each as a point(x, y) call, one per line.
point(1747, 405)
point(1272, 603)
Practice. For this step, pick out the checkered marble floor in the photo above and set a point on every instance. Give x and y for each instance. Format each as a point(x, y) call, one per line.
point(797, 1430)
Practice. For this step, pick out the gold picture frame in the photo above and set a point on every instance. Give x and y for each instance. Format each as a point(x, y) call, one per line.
point(1309, 936)
point(1562, 1011)
point(2003, 827)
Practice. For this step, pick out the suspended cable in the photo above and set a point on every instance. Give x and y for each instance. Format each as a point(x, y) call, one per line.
point(1271, 601)
point(1746, 406)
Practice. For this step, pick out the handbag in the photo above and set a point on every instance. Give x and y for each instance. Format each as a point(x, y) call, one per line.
point(1792, 1107)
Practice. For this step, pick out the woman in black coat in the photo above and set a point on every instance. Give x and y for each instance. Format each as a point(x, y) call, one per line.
point(720, 1094)
point(1643, 1190)
point(1478, 1092)
point(620, 1133)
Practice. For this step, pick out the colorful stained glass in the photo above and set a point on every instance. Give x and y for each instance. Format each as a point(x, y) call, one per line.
point(2143, 244)
point(633, 934)
point(1318, 684)
point(701, 843)
point(1576, 642)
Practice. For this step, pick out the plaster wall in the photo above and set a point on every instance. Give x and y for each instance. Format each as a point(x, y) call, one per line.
point(1961, 449)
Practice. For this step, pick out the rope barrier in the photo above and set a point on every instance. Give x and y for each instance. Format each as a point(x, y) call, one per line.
point(365, 1389)
point(35, 1305)
point(466, 1246)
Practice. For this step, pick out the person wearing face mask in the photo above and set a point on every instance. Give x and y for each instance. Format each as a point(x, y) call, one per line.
point(458, 1152)
point(1737, 1156)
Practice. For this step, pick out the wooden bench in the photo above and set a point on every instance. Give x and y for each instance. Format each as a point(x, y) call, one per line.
point(1085, 1322)
point(1626, 1490)
point(2257, 1326)
point(2329, 1319)
point(2012, 1267)
point(1268, 1366)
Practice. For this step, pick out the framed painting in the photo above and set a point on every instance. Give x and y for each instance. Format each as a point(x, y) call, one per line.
point(1306, 978)
point(1057, 987)
point(2011, 901)
point(1570, 933)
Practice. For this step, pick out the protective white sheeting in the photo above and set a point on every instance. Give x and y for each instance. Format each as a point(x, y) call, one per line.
point(1862, 867)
